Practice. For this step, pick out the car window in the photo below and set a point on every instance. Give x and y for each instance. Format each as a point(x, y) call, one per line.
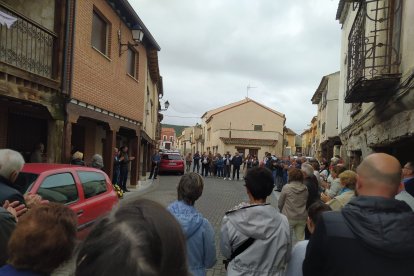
point(171, 157)
point(59, 188)
point(93, 183)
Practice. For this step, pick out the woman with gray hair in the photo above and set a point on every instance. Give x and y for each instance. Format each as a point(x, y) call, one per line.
point(311, 182)
point(11, 163)
point(97, 162)
point(201, 249)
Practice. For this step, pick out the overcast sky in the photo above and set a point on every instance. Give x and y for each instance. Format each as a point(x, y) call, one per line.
point(211, 50)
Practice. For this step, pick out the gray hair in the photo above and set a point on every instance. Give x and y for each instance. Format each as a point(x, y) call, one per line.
point(190, 188)
point(97, 161)
point(307, 169)
point(10, 161)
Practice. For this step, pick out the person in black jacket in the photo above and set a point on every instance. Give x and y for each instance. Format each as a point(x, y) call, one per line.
point(372, 234)
point(237, 160)
point(311, 183)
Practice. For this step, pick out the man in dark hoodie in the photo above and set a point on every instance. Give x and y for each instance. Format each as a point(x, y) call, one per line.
point(373, 233)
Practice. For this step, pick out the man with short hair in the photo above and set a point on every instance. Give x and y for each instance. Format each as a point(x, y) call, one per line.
point(11, 163)
point(237, 160)
point(372, 234)
point(408, 177)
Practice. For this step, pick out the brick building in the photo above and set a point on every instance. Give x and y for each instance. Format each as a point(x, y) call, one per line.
point(114, 85)
point(168, 138)
point(73, 77)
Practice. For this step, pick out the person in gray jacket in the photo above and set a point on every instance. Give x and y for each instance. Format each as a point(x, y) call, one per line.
point(262, 224)
point(292, 203)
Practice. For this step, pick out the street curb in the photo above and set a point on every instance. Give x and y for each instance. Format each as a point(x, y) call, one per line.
point(143, 188)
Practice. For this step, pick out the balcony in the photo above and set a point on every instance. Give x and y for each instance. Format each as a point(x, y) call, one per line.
point(27, 45)
point(373, 51)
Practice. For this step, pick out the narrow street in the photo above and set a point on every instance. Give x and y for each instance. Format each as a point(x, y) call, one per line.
point(218, 196)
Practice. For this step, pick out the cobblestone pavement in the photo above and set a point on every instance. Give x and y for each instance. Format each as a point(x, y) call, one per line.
point(218, 196)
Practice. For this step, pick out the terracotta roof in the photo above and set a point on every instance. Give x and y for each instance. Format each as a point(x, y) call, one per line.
point(213, 112)
point(247, 142)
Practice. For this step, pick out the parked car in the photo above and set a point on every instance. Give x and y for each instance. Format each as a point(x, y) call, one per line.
point(171, 162)
point(87, 191)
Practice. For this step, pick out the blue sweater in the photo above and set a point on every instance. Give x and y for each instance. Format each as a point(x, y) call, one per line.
point(201, 249)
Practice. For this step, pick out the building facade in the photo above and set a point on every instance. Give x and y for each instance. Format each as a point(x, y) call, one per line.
point(114, 85)
point(326, 99)
point(290, 142)
point(245, 126)
point(33, 36)
point(376, 80)
point(168, 139)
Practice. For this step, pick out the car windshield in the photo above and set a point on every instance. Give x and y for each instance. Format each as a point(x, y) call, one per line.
point(24, 181)
point(171, 157)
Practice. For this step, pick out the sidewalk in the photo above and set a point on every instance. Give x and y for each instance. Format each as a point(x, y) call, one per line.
point(142, 187)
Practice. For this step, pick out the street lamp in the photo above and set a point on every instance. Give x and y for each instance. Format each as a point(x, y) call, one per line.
point(137, 36)
point(166, 105)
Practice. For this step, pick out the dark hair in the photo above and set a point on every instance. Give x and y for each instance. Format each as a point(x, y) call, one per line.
point(139, 238)
point(43, 239)
point(338, 169)
point(259, 182)
point(316, 209)
point(411, 165)
point(190, 187)
point(295, 175)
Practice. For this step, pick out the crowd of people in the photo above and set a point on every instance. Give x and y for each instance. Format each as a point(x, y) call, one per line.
point(329, 221)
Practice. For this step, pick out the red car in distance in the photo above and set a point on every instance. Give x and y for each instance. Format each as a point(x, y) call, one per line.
point(87, 191)
point(171, 162)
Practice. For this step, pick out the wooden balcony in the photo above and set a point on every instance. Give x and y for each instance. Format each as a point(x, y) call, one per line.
point(373, 52)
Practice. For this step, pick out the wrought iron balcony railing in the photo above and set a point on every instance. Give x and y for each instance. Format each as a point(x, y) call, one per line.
point(27, 45)
point(373, 51)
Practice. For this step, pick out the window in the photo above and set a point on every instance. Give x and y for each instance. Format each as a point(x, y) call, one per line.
point(164, 137)
point(171, 138)
point(132, 63)
point(99, 33)
point(93, 183)
point(323, 128)
point(258, 127)
point(59, 188)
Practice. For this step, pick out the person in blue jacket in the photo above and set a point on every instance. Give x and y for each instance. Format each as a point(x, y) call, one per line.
point(201, 249)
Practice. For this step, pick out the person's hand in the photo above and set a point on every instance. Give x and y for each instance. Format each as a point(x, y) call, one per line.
point(15, 208)
point(325, 198)
point(33, 200)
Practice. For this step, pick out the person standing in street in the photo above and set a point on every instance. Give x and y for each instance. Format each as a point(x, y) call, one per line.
point(236, 161)
point(408, 177)
point(205, 164)
point(156, 159)
point(11, 163)
point(292, 203)
point(227, 166)
point(116, 172)
point(220, 165)
point(188, 160)
point(201, 248)
point(37, 154)
point(124, 161)
point(196, 163)
point(256, 231)
point(372, 234)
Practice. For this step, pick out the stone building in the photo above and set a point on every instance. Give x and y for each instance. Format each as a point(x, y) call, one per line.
point(376, 98)
point(33, 42)
point(245, 126)
point(289, 138)
point(326, 99)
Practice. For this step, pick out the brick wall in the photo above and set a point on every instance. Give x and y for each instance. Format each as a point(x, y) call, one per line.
point(100, 80)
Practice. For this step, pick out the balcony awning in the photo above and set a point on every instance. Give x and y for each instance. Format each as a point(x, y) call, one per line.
point(247, 141)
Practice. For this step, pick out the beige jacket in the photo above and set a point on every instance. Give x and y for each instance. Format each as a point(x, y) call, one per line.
point(292, 201)
point(338, 202)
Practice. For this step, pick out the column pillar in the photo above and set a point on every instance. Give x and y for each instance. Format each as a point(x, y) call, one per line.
point(55, 138)
point(135, 164)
